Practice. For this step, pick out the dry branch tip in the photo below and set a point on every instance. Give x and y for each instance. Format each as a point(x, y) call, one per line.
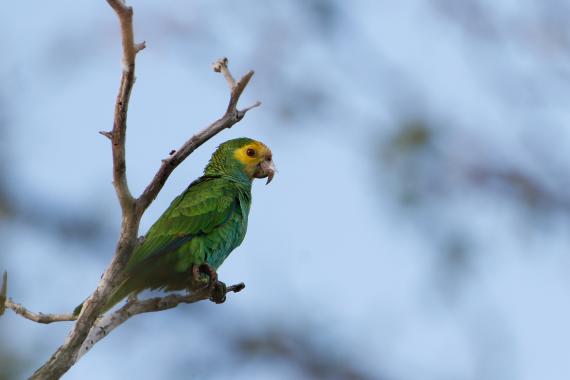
point(240, 85)
point(108, 135)
point(254, 105)
point(120, 6)
point(140, 46)
point(221, 66)
point(38, 317)
point(3, 291)
point(236, 288)
point(236, 92)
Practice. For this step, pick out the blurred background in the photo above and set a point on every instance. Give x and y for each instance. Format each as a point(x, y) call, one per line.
point(419, 226)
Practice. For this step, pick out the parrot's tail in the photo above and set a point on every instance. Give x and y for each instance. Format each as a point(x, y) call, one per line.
point(121, 292)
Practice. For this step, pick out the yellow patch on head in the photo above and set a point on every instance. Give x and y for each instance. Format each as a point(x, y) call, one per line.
point(252, 154)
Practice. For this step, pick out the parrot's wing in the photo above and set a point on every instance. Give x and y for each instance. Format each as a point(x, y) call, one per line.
point(205, 205)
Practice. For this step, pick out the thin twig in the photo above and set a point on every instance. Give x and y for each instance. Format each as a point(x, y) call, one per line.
point(221, 66)
point(38, 317)
point(107, 134)
point(237, 91)
point(254, 105)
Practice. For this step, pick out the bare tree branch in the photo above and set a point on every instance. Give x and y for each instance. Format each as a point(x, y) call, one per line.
point(132, 210)
point(110, 321)
point(66, 355)
point(131, 308)
point(38, 317)
point(130, 50)
point(107, 323)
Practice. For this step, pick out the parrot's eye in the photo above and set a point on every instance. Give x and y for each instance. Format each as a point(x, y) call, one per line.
point(250, 152)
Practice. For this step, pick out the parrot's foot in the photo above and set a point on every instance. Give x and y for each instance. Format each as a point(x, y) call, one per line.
point(198, 270)
point(216, 288)
point(218, 293)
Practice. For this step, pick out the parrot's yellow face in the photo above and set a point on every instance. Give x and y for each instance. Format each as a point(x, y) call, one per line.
point(257, 160)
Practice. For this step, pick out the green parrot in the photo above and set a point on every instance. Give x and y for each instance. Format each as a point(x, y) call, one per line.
point(201, 227)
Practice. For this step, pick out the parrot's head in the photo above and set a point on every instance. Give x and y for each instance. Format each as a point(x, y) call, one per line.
point(242, 157)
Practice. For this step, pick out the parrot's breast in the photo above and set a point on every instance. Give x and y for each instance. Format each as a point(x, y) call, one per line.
point(230, 235)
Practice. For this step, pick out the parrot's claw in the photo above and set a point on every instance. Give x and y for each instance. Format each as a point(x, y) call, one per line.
point(218, 293)
point(211, 272)
point(199, 270)
point(216, 288)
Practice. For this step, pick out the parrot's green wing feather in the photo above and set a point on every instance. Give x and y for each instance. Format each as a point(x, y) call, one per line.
point(205, 205)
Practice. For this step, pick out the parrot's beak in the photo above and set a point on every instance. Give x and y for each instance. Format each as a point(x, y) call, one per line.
point(267, 169)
